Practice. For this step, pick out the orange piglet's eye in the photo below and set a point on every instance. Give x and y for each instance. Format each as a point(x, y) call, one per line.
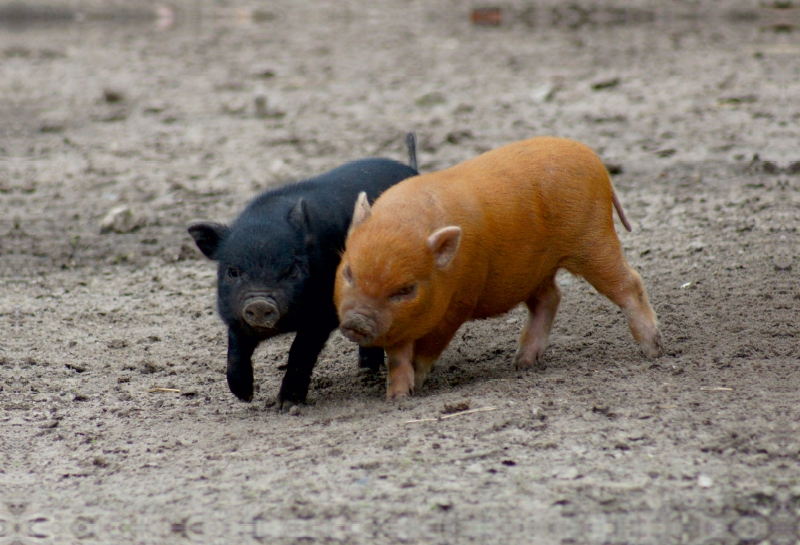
point(406, 292)
point(347, 274)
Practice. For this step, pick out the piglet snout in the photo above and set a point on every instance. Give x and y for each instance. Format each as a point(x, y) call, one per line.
point(261, 312)
point(359, 328)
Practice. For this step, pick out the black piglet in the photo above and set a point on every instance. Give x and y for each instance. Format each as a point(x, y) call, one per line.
point(276, 267)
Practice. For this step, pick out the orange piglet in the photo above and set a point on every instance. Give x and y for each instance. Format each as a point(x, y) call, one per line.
point(475, 240)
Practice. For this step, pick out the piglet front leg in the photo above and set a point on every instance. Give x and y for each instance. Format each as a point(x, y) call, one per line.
point(400, 380)
point(240, 366)
point(302, 357)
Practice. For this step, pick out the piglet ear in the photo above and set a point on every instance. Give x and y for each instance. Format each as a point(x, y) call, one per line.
point(299, 216)
point(361, 213)
point(208, 236)
point(444, 244)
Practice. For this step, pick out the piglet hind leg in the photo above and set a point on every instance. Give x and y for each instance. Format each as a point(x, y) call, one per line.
point(400, 379)
point(611, 276)
point(542, 308)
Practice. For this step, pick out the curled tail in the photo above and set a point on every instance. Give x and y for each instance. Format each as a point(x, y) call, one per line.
point(620, 211)
point(411, 142)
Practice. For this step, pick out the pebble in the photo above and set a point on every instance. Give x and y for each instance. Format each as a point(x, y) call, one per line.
point(474, 468)
point(120, 219)
point(53, 122)
point(113, 95)
point(430, 99)
point(543, 93)
point(704, 481)
point(606, 84)
point(261, 106)
point(567, 474)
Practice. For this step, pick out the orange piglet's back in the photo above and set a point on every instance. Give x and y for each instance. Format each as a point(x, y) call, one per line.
point(475, 240)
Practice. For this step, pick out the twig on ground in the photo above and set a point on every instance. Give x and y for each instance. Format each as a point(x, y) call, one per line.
point(716, 389)
point(445, 417)
point(153, 390)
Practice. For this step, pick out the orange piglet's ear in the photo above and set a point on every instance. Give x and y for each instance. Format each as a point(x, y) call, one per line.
point(444, 244)
point(361, 213)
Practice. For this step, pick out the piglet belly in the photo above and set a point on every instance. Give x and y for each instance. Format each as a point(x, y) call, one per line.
point(512, 279)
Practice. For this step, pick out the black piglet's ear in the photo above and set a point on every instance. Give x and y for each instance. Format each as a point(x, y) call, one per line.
point(208, 236)
point(299, 216)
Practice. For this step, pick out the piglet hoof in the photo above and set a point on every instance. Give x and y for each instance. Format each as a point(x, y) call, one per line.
point(522, 363)
point(400, 383)
point(654, 348)
point(397, 394)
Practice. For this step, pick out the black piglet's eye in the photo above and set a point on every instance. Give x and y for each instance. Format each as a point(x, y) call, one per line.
point(291, 272)
point(233, 272)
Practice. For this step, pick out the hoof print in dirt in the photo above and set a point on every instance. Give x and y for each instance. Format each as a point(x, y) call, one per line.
point(276, 268)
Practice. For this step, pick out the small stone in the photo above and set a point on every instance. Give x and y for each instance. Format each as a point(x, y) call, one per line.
point(486, 16)
point(456, 137)
point(704, 481)
point(264, 110)
point(443, 503)
point(234, 107)
point(606, 84)
point(120, 219)
point(475, 468)
point(260, 16)
point(430, 99)
point(696, 245)
point(543, 93)
point(113, 95)
point(155, 107)
point(149, 367)
point(264, 73)
point(53, 122)
point(567, 474)
point(294, 411)
point(261, 106)
point(458, 406)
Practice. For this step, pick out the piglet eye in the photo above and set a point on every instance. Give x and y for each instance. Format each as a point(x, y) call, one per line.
point(233, 272)
point(347, 274)
point(404, 292)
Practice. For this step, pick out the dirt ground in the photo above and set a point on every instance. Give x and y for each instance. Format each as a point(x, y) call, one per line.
point(155, 107)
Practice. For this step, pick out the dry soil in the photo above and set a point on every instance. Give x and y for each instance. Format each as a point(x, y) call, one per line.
point(187, 111)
